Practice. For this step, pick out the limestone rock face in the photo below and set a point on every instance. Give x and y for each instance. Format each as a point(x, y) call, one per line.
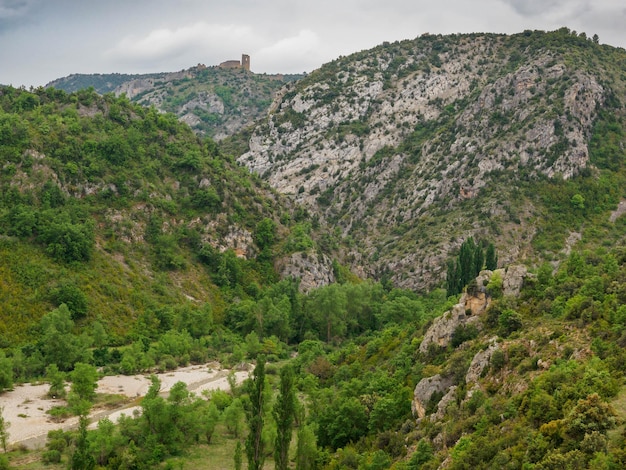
point(448, 398)
point(480, 362)
point(425, 389)
point(312, 270)
point(440, 332)
point(352, 142)
point(513, 280)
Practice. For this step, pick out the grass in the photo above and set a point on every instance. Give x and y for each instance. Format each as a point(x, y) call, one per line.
point(219, 455)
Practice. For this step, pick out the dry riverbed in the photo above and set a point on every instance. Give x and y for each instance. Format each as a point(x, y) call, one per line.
point(25, 407)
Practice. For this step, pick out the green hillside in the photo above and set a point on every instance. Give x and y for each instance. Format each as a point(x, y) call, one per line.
point(436, 280)
point(214, 101)
point(119, 206)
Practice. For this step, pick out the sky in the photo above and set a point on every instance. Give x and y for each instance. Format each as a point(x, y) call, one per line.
point(41, 40)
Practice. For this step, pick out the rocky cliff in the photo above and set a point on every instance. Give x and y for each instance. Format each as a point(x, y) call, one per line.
point(393, 146)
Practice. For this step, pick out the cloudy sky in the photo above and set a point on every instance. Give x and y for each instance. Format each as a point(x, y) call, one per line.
point(41, 40)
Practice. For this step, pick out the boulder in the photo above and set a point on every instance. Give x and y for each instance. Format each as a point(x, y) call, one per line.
point(480, 362)
point(513, 280)
point(424, 391)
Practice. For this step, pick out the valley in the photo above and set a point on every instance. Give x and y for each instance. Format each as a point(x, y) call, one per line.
point(420, 250)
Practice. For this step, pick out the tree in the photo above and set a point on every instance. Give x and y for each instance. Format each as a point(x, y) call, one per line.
point(81, 458)
point(104, 441)
point(4, 430)
point(83, 390)
point(344, 422)
point(265, 233)
point(254, 441)
point(589, 415)
point(56, 379)
point(284, 414)
point(453, 278)
point(210, 418)
point(329, 309)
point(466, 261)
point(306, 451)
point(58, 344)
point(491, 258)
point(578, 201)
point(233, 417)
point(238, 456)
point(6, 372)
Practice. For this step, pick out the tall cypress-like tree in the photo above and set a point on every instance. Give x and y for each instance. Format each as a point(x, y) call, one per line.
point(254, 442)
point(468, 264)
point(479, 259)
point(237, 456)
point(466, 261)
point(453, 278)
point(284, 414)
point(306, 453)
point(81, 458)
point(491, 258)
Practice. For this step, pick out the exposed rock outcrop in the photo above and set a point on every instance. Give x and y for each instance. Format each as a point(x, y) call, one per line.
point(313, 270)
point(480, 362)
point(424, 391)
point(513, 280)
point(448, 398)
point(352, 141)
point(442, 329)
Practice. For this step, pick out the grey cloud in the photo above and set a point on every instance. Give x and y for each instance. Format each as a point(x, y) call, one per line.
point(534, 7)
point(14, 13)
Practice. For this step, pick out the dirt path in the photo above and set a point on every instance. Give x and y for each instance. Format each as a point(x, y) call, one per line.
point(25, 408)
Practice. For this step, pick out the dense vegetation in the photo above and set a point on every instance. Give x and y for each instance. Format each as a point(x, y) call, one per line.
point(130, 245)
point(214, 101)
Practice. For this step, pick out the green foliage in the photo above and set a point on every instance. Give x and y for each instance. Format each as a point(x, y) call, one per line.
point(56, 379)
point(306, 450)
point(4, 430)
point(255, 416)
point(344, 422)
point(284, 414)
point(6, 372)
point(84, 380)
point(468, 264)
point(70, 294)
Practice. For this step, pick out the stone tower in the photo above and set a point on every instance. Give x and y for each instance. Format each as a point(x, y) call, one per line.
point(245, 62)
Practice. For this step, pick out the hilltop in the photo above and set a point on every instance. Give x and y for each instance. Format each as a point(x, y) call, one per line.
point(405, 150)
point(214, 101)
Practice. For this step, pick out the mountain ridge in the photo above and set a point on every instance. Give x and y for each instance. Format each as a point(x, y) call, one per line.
point(383, 142)
point(215, 101)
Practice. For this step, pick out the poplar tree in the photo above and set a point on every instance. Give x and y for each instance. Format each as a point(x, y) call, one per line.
point(254, 442)
point(284, 414)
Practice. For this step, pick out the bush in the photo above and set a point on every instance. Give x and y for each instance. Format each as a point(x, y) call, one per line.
point(509, 322)
point(51, 456)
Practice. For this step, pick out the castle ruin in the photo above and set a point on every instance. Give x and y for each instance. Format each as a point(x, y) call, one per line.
point(235, 64)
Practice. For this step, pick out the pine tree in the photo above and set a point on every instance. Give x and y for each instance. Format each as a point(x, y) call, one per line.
point(254, 441)
point(284, 414)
